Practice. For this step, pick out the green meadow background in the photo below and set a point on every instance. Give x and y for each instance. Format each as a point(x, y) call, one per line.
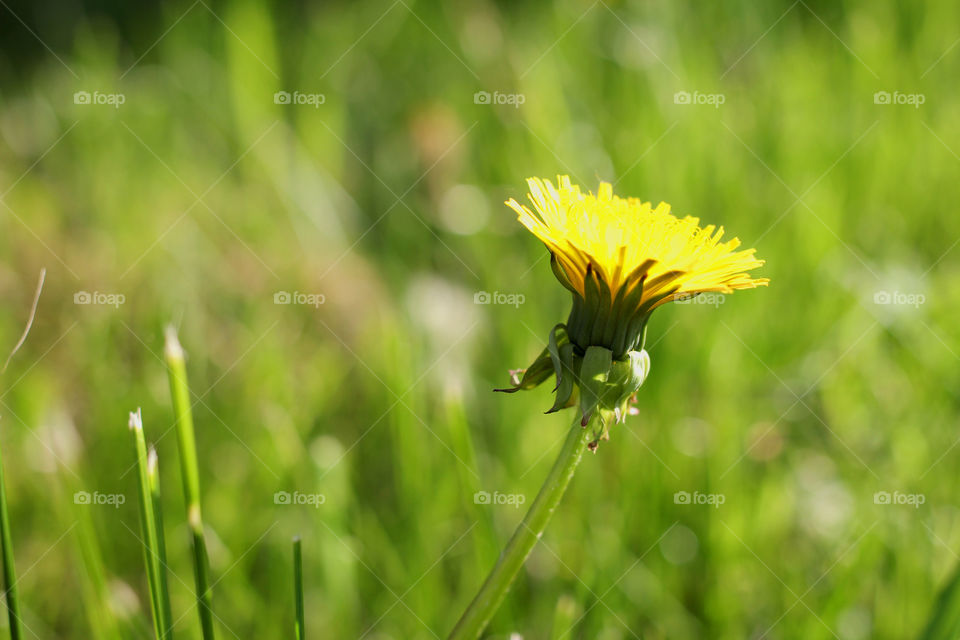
point(813, 424)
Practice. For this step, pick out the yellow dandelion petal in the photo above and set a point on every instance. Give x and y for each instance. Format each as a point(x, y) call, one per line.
point(607, 246)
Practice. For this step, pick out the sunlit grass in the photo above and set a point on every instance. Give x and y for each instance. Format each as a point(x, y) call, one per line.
point(379, 398)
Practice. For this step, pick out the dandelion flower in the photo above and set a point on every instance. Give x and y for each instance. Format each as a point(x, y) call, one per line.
point(621, 258)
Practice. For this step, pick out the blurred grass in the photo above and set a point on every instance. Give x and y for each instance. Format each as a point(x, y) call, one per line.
point(200, 198)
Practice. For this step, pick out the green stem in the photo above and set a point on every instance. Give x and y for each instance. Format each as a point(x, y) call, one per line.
point(9, 574)
point(153, 475)
point(491, 594)
point(154, 556)
point(190, 471)
point(6, 538)
point(298, 588)
point(944, 622)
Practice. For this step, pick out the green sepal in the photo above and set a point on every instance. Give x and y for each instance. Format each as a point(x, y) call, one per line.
point(561, 275)
point(550, 362)
point(610, 318)
point(534, 375)
point(598, 382)
point(603, 320)
point(629, 307)
point(558, 338)
point(626, 377)
point(594, 372)
point(570, 363)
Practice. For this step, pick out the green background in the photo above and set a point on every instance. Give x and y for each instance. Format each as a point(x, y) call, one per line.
point(199, 198)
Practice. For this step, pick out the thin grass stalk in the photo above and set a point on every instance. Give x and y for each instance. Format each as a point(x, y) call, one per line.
point(298, 588)
point(565, 617)
point(9, 572)
point(6, 537)
point(153, 552)
point(101, 617)
point(146, 524)
point(944, 620)
point(190, 472)
point(153, 475)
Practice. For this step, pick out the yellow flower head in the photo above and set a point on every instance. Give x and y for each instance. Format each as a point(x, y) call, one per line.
point(622, 258)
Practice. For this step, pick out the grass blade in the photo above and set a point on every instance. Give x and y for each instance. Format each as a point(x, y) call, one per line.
point(298, 588)
point(95, 588)
point(153, 475)
point(944, 621)
point(6, 538)
point(186, 441)
point(565, 617)
point(9, 573)
point(151, 524)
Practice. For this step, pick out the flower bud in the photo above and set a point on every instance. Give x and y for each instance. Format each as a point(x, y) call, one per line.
point(600, 384)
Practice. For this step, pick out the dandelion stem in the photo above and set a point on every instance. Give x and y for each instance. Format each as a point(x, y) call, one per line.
point(491, 594)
